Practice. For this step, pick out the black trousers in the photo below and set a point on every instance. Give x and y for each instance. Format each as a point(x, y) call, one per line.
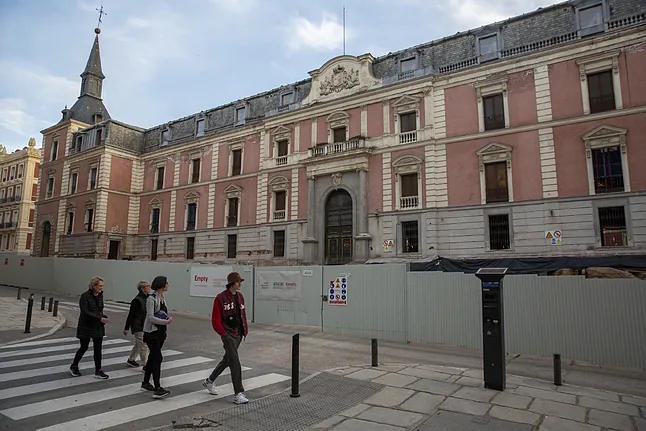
point(230, 360)
point(85, 342)
point(155, 341)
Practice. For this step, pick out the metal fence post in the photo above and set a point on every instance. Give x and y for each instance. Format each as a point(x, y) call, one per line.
point(51, 304)
point(30, 306)
point(295, 373)
point(42, 303)
point(56, 308)
point(375, 353)
point(557, 370)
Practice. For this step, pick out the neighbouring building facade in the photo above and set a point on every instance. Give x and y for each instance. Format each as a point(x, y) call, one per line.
point(19, 172)
point(519, 138)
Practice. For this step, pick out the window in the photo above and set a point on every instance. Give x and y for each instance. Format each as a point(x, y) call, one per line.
point(408, 122)
point(18, 194)
point(409, 191)
point(494, 113)
point(190, 247)
point(73, 181)
point(70, 223)
point(21, 168)
point(50, 187)
point(10, 195)
point(154, 220)
point(4, 174)
point(240, 115)
point(12, 173)
point(99, 132)
point(232, 246)
point(608, 176)
point(36, 170)
point(89, 219)
point(153, 249)
point(54, 153)
point(496, 182)
point(2, 193)
point(199, 127)
point(279, 206)
point(93, 174)
point(32, 213)
point(159, 180)
point(165, 134)
point(232, 216)
point(34, 192)
point(612, 224)
point(499, 232)
point(406, 67)
point(600, 92)
point(279, 243)
point(236, 168)
point(338, 134)
point(410, 242)
point(79, 143)
point(195, 174)
point(191, 212)
point(283, 147)
point(590, 19)
point(97, 118)
point(287, 99)
point(28, 243)
point(488, 47)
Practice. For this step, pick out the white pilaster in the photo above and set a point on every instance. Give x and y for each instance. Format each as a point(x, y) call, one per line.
point(386, 117)
point(548, 162)
point(133, 214)
point(261, 202)
point(137, 180)
point(178, 162)
point(101, 211)
point(215, 154)
point(294, 199)
point(386, 174)
point(60, 224)
point(364, 121)
point(439, 115)
point(297, 138)
point(171, 216)
point(314, 131)
point(104, 170)
point(428, 108)
point(264, 145)
point(211, 208)
point(543, 98)
point(65, 179)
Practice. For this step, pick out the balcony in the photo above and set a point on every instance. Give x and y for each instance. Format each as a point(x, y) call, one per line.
point(338, 147)
point(281, 160)
point(7, 225)
point(279, 215)
point(408, 137)
point(408, 202)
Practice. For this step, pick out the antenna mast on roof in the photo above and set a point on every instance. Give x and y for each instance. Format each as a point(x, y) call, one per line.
point(344, 29)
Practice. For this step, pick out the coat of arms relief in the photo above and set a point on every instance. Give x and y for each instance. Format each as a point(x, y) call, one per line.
point(340, 79)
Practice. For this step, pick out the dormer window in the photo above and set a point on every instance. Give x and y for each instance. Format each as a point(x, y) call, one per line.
point(590, 19)
point(287, 98)
point(199, 127)
point(79, 143)
point(165, 135)
point(97, 118)
point(488, 47)
point(407, 67)
point(240, 115)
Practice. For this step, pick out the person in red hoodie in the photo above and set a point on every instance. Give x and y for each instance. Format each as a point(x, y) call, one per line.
point(229, 320)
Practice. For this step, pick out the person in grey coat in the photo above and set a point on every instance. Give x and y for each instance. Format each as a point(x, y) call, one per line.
point(135, 323)
point(91, 326)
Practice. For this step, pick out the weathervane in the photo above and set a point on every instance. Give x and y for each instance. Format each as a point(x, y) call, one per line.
point(101, 13)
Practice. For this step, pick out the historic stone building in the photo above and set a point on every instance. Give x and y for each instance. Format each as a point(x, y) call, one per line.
point(520, 138)
point(19, 173)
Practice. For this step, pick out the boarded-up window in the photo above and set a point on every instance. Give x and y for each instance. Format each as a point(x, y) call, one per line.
point(236, 169)
point(494, 112)
point(408, 122)
point(279, 243)
point(195, 177)
point(601, 92)
point(409, 185)
point(339, 134)
point(496, 182)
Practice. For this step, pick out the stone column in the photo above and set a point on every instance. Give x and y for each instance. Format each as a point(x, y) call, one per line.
point(310, 243)
point(362, 240)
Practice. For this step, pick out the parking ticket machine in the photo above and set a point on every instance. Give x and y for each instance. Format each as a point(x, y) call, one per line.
point(493, 334)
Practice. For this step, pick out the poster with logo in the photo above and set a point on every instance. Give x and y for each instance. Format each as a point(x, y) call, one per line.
point(278, 285)
point(338, 290)
point(208, 281)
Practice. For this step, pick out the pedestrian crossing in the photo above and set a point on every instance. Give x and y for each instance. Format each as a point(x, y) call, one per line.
point(108, 306)
point(47, 398)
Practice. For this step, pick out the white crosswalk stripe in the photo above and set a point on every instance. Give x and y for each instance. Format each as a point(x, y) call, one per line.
point(35, 396)
point(49, 349)
point(75, 307)
point(145, 410)
point(39, 342)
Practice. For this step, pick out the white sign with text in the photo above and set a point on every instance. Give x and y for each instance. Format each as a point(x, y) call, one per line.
point(208, 281)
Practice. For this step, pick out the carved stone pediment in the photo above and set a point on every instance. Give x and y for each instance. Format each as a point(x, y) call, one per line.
point(279, 183)
point(342, 76)
point(602, 132)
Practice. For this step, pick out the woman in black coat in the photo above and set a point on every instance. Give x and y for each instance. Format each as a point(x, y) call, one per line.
point(91, 326)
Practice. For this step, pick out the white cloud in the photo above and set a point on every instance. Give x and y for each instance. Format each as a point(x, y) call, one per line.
point(13, 115)
point(326, 35)
point(475, 13)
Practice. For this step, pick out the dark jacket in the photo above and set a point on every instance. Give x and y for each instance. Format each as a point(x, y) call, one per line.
point(90, 325)
point(137, 313)
point(225, 317)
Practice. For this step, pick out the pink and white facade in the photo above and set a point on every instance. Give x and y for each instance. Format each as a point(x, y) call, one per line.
point(534, 150)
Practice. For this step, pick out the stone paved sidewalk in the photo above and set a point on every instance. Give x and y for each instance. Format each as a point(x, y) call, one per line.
point(13, 313)
point(429, 398)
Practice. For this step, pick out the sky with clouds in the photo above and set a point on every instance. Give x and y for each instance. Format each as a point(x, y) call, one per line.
point(167, 59)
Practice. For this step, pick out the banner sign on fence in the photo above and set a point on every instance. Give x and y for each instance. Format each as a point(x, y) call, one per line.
point(278, 285)
point(208, 281)
point(339, 290)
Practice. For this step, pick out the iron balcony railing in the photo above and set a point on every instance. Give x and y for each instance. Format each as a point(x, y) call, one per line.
point(338, 147)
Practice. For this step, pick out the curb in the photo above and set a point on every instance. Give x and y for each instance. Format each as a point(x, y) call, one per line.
point(60, 325)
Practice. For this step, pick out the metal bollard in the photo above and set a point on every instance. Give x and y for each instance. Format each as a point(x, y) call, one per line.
point(295, 353)
point(557, 370)
point(30, 306)
point(56, 308)
point(42, 303)
point(375, 353)
point(19, 289)
point(51, 303)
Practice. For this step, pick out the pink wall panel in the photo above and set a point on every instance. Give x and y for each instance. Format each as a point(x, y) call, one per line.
point(375, 184)
point(306, 135)
point(302, 193)
point(633, 85)
point(120, 174)
point(461, 110)
point(422, 113)
point(321, 131)
point(206, 164)
point(355, 122)
point(565, 89)
point(184, 161)
point(223, 161)
point(521, 94)
point(117, 214)
point(375, 120)
point(251, 154)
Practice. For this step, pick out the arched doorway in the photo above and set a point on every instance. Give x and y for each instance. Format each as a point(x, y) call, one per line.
point(338, 228)
point(44, 244)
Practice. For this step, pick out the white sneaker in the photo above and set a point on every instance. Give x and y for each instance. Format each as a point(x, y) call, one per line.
point(240, 398)
point(209, 387)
